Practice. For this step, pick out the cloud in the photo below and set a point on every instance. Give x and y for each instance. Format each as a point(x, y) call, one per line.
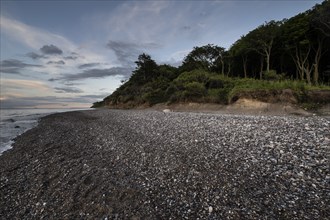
point(24, 84)
point(71, 57)
point(127, 52)
point(35, 56)
point(186, 28)
point(87, 65)
point(51, 50)
point(38, 39)
point(94, 96)
point(61, 62)
point(31, 36)
point(124, 51)
point(176, 58)
point(95, 73)
point(14, 66)
point(140, 17)
point(67, 90)
point(71, 84)
point(49, 101)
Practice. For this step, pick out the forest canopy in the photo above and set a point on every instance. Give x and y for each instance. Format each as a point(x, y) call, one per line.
point(289, 54)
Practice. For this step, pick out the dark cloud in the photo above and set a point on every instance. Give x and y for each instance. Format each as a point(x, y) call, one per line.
point(51, 50)
point(87, 65)
point(186, 28)
point(14, 66)
point(35, 56)
point(61, 62)
point(71, 58)
point(127, 52)
point(71, 84)
point(95, 73)
point(30, 102)
point(150, 45)
point(68, 90)
point(94, 96)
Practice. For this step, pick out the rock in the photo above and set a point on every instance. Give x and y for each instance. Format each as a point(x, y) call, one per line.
point(149, 165)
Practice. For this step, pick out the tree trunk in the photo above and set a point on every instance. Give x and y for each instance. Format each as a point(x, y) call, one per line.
point(244, 66)
point(229, 68)
point(308, 71)
point(317, 59)
point(302, 64)
point(267, 51)
point(261, 66)
point(316, 74)
point(267, 61)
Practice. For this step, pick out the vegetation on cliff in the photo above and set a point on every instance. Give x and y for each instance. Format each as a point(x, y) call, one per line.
point(292, 54)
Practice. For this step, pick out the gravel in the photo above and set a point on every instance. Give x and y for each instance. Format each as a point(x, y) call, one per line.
point(116, 164)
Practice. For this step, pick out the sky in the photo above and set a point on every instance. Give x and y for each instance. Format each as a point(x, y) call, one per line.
point(69, 54)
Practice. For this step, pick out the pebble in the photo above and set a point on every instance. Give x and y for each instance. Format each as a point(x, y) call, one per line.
point(115, 164)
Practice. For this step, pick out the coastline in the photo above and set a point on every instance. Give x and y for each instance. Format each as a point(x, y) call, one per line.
point(148, 164)
point(14, 122)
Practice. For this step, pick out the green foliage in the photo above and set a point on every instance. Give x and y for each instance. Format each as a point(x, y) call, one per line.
point(98, 104)
point(194, 90)
point(248, 85)
point(199, 75)
point(321, 18)
point(206, 57)
point(272, 75)
point(296, 46)
point(155, 96)
point(146, 70)
point(218, 95)
point(168, 72)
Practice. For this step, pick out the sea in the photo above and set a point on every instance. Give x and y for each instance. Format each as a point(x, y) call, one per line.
point(14, 122)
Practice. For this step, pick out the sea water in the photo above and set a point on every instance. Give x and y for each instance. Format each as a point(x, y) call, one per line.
point(14, 122)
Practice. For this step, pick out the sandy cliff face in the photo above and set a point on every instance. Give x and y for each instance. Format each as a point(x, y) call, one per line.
point(276, 102)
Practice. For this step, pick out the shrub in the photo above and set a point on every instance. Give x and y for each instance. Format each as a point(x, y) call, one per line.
point(154, 97)
point(218, 95)
point(215, 83)
point(200, 76)
point(194, 90)
point(270, 75)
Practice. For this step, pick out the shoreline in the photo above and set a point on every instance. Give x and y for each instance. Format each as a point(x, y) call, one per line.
point(15, 122)
point(149, 164)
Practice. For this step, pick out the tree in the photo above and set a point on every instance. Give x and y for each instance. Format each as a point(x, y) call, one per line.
point(228, 59)
point(206, 57)
point(262, 38)
point(241, 49)
point(294, 37)
point(321, 18)
point(320, 22)
point(146, 68)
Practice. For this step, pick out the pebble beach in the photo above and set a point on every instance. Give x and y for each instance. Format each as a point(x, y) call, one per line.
point(135, 164)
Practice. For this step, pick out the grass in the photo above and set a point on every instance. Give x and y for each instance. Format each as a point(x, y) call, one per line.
point(202, 86)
